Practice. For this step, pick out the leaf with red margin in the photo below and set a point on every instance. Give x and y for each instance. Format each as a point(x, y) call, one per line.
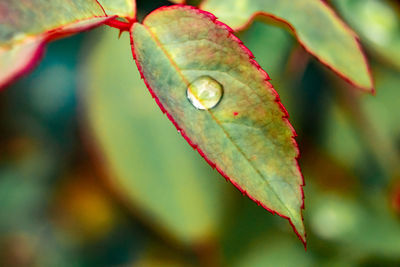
point(315, 25)
point(25, 27)
point(377, 22)
point(19, 59)
point(121, 8)
point(247, 137)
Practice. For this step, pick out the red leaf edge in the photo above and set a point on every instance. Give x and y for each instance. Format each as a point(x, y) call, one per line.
point(293, 30)
point(60, 32)
point(30, 65)
point(134, 11)
point(195, 146)
point(47, 37)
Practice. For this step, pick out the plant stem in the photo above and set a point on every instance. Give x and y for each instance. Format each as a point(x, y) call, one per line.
point(122, 26)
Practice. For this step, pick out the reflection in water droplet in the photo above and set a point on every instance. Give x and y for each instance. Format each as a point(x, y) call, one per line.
point(204, 92)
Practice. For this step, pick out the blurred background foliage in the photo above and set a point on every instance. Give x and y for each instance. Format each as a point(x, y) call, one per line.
point(93, 174)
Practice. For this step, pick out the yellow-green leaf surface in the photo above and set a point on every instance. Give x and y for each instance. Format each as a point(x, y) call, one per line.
point(121, 8)
point(149, 163)
point(21, 19)
point(378, 24)
point(30, 23)
point(246, 135)
point(315, 26)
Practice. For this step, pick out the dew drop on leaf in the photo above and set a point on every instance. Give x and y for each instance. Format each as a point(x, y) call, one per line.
point(204, 92)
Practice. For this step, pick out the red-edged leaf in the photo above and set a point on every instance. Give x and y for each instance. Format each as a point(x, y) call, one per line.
point(19, 59)
point(377, 22)
point(218, 97)
point(316, 27)
point(25, 27)
point(121, 8)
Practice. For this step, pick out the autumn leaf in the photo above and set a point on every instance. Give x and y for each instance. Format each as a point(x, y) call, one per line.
point(220, 100)
point(25, 27)
point(314, 24)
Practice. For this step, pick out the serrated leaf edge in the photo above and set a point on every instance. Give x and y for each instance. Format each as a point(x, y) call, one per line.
point(286, 23)
point(195, 146)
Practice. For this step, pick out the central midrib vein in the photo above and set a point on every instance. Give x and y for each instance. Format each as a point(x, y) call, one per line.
point(187, 83)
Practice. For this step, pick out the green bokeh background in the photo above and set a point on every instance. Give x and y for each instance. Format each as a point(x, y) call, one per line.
point(93, 174)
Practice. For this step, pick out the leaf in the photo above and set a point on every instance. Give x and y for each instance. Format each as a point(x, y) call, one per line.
point(121, 8)
point(246, 136)
point(148, 162)
point(25, 26)
point(377, 23)
point(314, 24)
point(22, 19)
point(270, 45)
point(19, 59)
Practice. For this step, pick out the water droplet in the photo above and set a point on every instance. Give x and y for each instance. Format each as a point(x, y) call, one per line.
point(204, 92)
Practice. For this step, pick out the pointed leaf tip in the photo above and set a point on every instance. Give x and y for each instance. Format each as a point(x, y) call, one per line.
point(202, 75)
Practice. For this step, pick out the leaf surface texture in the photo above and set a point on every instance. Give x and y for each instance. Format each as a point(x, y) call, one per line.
point(246, 136)
point(314, 24)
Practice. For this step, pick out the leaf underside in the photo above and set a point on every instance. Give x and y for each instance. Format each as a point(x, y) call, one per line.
point(247, 136)
point(314, 24)
point(25, 25)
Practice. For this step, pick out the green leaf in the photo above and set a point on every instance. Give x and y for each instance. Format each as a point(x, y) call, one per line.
point(246, 135)
point(147, 160)
point(121, 8)
point(271, 46)
point(315, 26)
point(25, 26)
point(378, 24)
point(29, 18)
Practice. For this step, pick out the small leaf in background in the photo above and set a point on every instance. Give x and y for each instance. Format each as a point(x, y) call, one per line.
point(149, 163)
point(315, 25)
point(377, 22)
point(246, 135)
point(24, 29)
